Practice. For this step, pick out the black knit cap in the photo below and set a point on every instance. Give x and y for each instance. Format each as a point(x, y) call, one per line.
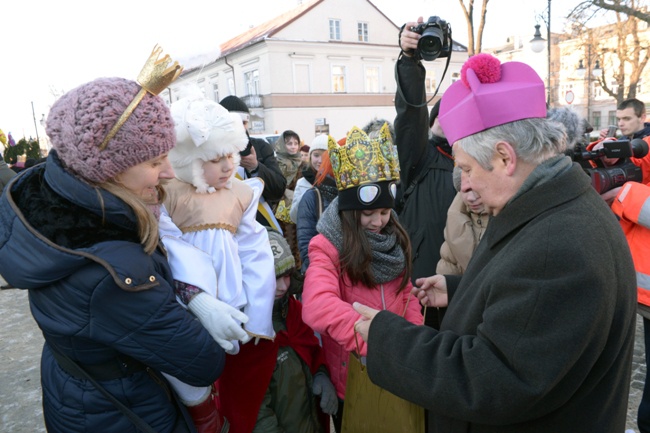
point(234, 104)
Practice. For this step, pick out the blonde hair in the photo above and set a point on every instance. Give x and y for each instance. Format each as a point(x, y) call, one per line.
point(146, 220)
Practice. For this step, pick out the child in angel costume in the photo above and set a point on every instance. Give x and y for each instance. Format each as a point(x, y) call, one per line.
point(221, 260)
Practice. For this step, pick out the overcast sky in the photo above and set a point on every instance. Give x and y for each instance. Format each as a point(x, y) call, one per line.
point(50, 46)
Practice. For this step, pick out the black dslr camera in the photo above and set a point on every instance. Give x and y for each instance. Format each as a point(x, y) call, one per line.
point(435, 41)
point(605, 178)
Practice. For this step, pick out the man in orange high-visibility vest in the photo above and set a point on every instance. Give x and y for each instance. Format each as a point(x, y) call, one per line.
point(631, 203)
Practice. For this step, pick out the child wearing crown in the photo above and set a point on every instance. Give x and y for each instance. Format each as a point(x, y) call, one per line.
point(361, 253)
point(221, 259)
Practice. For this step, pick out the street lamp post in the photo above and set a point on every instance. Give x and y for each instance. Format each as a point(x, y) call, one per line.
point(589, 74)
point(537, 45)
point(35, 127)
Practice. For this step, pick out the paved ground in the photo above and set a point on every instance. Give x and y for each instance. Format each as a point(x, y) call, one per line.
point(20, 391)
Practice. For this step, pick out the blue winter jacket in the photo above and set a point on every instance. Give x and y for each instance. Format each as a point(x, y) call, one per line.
point(96, 294)
point(306, 224)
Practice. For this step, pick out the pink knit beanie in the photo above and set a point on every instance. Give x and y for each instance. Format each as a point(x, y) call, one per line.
point(80, 120)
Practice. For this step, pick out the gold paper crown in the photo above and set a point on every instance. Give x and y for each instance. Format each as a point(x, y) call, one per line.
point(155, 76)
point(364, 160)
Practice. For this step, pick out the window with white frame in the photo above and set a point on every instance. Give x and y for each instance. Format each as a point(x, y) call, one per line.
point(338, 79)
point(430, 82)
point(611, 118)
point(252, 82)
point(455, 76)
point(231, 85)
point(335, 29)
point(639, 87)
point(215, 92)
point(372, 79)
point(362, 30)
point(595, 120)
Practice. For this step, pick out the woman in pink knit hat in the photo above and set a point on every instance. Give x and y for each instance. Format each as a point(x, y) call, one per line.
point(79, 233)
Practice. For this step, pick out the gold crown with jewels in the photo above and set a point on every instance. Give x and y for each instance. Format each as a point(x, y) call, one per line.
point(363, 159)
point(155, 76)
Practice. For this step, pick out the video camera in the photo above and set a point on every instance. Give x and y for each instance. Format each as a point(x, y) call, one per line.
point(435, 41)
point(605, 178)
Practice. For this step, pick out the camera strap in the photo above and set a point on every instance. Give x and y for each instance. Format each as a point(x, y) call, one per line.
point(399, 88)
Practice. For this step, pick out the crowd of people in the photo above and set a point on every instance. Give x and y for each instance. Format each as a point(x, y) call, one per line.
point(193, 278)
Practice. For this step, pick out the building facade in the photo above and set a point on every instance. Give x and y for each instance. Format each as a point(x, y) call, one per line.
point(323, 67)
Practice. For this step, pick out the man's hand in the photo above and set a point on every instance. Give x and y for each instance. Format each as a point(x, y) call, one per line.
point(431, 291)
point(362, 326)
point(219, 319)
point(606, 161)
point(603, 133)
point(249, 162)
point(409, 39)
point(610, 195)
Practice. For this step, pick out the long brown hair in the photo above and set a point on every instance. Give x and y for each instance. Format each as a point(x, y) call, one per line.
point(357, 255)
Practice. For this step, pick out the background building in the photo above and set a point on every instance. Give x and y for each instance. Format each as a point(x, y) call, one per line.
point(323, 67)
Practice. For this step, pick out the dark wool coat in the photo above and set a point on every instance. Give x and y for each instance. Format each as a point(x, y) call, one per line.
point(426, 187)
point(96, 295)
point(539, 332)
point(269, 171)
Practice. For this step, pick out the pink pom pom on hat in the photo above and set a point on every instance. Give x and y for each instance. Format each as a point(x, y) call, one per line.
point(489, 94)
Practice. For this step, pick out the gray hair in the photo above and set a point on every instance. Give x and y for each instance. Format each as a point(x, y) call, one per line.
point(534, 141)
point(373, 127)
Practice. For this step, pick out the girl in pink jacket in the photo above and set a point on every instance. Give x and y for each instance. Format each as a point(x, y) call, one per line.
point(361, 254)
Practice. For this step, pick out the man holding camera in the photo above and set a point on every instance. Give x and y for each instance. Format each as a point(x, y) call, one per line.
point(426, 164)
point(539, 332)
point(631, 203)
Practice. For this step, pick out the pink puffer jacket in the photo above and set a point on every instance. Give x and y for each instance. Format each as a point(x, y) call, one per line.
point(327, 306)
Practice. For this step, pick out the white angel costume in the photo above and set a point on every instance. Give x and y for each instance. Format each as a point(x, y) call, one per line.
point(211, 236)
point(234, 261)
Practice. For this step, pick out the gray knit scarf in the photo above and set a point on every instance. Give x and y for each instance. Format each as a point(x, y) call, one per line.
point(544, 172)
point(387, 255)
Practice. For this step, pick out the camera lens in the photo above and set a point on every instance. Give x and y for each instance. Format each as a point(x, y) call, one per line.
point(430, 44)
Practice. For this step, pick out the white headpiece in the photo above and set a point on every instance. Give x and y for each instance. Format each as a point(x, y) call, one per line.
point(204, 131)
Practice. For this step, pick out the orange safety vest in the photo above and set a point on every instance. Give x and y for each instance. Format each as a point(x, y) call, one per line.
point(632, 205)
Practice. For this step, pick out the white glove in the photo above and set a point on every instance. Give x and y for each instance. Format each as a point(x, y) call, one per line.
point(219, 319)
point(249, 338)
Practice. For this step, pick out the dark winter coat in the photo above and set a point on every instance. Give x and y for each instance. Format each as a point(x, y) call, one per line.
point(269, 171)
point(539, 332)
point(97, 296)
point(426, 167)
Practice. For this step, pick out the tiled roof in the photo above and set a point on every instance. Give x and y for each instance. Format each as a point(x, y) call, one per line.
point(267, 29)
point(261, 32)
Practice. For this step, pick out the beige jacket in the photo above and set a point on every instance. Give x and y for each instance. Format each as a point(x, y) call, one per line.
point(463, 231)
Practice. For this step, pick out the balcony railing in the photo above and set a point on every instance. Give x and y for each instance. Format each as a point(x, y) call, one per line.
point(253, 101)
